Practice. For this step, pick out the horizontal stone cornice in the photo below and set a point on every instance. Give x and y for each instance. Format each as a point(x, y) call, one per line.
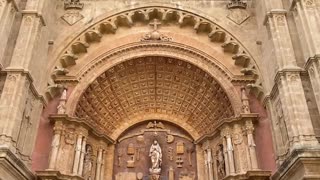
point(273, 12)
point(55, 175)
point(311, 60)
point(64, 118)
point(279, 74)
point(294, 159)
point(34, 13)
point(227, 121)
point(30, 79)
point(283, 72)
point(12, 163)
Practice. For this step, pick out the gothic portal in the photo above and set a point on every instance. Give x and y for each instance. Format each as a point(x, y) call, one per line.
point(159, 90)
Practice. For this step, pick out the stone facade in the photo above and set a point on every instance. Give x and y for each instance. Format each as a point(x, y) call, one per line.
point(233, 87)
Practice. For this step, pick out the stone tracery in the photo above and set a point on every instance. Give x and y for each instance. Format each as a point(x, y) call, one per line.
point(154, 85)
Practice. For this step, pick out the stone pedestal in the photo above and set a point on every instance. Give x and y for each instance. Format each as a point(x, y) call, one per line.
point(301, 164)
point(12, 168)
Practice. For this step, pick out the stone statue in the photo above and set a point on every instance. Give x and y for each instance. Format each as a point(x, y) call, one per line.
point(155, 154)
point(87, 169)
point(62, 103)
point(220, 162)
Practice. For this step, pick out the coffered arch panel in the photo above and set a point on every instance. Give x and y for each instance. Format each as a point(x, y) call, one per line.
point(161, 86)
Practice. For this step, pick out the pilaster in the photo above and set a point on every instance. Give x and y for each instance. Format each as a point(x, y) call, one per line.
point(289, 84)
point(20, 104)
point(8, 10)
point(306, 15)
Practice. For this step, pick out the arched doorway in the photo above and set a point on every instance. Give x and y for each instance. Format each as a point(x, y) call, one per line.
point(149, 75)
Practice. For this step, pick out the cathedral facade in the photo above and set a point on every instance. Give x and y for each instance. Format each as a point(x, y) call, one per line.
point(159, 89)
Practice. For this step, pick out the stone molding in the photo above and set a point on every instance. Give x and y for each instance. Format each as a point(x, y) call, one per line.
point(275, 88)
point(242, 118)
point(35, 13)
point(55, 175)
point(14, 166)
point(274, 12)
point(30, 79)
point(94, 32)
point(300, 158)
point(82, 124)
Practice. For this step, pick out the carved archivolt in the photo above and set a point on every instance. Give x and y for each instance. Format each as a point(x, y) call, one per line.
point(167, 15)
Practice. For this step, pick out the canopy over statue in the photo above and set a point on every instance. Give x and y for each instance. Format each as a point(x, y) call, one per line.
point(155, 154)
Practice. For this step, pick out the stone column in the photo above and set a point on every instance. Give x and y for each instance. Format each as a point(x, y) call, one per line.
point(13, 98)
point(102, 166)
point(55, 147)
point(200, 162)
point(99, 161)
point(77, 154)
point(83, 151)
point(289, 84)
point(230, 154)
point(225, 153)
point(215, 166)
point(251, 145)
point(209, 160)
point(8, 11)
point(206, 173)
point(306, 15)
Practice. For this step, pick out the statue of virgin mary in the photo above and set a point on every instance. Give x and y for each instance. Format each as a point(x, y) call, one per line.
point(155, 154)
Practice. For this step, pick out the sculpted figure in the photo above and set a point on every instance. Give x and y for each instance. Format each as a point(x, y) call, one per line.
point(155, 154)
point(87, 169)
point(220, 162)
point(62, 104)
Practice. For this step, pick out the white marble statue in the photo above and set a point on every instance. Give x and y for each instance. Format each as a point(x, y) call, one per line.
point(155, 154)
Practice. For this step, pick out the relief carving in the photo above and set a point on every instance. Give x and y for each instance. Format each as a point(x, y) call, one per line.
point(281, 124)
point(180, 148)
point(238, 12)
point(220, 162)
point(62, 103)
point(88, 163)
point(155, 155)
point(72, 15)
point(26, 124)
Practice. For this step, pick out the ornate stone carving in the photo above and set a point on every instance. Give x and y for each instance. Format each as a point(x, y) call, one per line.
point(155, 35)
point(170, 138)
point(62, 103)
point(88, 163)
point(170, 79)
point(237, 12)
point(179, 162)
point(73, 4)
point(180, 148)
point(155, 154)
point(245, 101)
point(237, 4)
point(131, 149)
point(220, 162)
point(108, 25)
point(72, 17)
